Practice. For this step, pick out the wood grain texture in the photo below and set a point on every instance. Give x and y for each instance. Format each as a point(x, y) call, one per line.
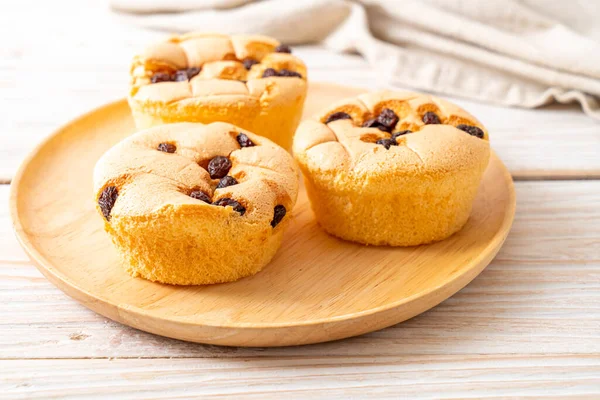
point(307, 377)
point(85, 53)
point(317, 288)
point(528, 325)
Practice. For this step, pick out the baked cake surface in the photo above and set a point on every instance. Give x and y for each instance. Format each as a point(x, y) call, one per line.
point(189, 203)
point(251, 81)
point(392, 168)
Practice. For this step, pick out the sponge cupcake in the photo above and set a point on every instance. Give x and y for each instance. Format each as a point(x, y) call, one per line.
point(392, 168)
point(251, 81)
point(193, 204)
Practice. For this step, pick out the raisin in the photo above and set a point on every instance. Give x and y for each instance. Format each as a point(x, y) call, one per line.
point(278, 214)
point(395, 135)
point(160, 77)
point(337, 115)
point(185, 74)
point(388, 119)
point(218, 167)
point(167, 147)
point(226, 201)
point(431, 118)
point(107, 200)
point(244, 140)
point(283, 48)
point(199, 195)
point(387, 143)
point(284, 72)
point(192, 72)
point(180, 76)
point(269, 72)
point(227, 181)
point(373, 123)
point(288, 73)
point(471, 130)
point(249, 62)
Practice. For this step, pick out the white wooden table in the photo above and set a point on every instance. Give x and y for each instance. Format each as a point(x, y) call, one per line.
point(529, 325)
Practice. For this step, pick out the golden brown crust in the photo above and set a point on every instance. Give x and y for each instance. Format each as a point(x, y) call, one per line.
point(256, 167)
point(219, 56)
point(344, 147)
point(154, 202)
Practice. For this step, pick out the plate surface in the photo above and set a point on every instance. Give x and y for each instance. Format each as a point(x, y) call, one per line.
point(317, 288)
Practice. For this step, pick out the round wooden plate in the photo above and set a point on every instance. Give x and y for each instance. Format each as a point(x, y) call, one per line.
point(317, 288)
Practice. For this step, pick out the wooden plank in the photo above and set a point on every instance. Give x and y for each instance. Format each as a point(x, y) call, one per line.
point(84, 70)
point(555, 222)
point(317, 377)
point(509, 309)
point(540, 296)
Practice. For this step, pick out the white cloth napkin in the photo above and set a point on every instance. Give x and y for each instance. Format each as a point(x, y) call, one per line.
point(514, 52)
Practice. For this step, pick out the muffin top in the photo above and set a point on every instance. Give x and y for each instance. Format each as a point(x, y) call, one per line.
point(402, 133)
point(217, 171)
point(201, 64)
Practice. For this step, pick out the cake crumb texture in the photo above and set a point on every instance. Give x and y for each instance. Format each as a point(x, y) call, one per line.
point(159, 224)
